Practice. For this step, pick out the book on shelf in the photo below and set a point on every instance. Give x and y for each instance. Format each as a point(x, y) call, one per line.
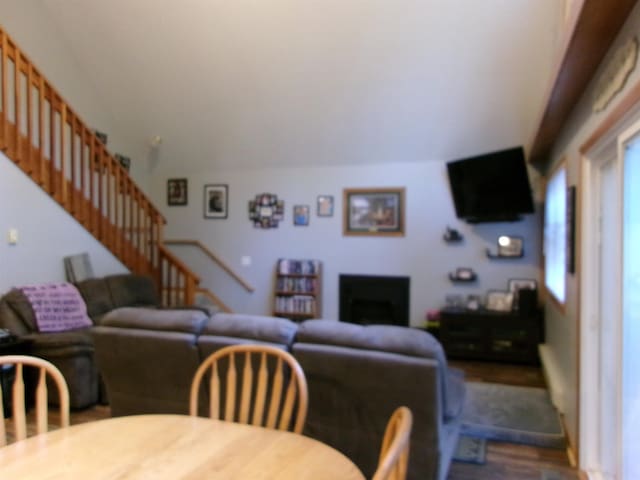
point(298, 267)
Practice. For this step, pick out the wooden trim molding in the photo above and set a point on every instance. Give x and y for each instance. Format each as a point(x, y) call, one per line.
point(593, 31)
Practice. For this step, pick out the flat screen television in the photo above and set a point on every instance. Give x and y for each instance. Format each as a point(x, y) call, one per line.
point(493, 187)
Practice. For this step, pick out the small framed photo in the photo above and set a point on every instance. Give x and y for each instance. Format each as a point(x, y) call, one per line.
point(325, 205)
point(301, 215)
point(177, 191)
point(510, 246)
point(516, 284)
point(374, 211)
point(499, 300)
point(216, 199)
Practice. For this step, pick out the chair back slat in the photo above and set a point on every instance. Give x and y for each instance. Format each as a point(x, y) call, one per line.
point(261, 391)
point(231, 390)
point(45, 370)
point(42, 411)
point(19, 412)
point(394, 452)
point(3, 432)
point(247, 385)
point(276, 395)
point(262, 378)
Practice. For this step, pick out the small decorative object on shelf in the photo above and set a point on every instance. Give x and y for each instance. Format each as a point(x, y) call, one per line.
point(463, 274)
point(452, 236)
point(297, 289)
point(508, 247)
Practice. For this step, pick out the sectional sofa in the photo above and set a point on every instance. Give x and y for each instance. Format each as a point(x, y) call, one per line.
point(357, 375)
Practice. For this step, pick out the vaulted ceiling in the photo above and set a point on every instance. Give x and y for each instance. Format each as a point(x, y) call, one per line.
point(240, 83)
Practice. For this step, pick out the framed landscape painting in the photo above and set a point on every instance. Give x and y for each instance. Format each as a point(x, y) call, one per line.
point(374, 211)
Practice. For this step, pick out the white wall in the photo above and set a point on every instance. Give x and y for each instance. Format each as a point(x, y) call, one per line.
point(421, 254)
point(562, 327)
point(46, 234)
point(29, 24)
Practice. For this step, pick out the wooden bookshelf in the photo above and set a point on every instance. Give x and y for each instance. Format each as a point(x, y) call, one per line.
point(297, 290)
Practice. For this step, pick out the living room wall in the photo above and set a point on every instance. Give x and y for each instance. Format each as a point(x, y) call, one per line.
point(30, 26)
point(46, 234)
point(421, 254)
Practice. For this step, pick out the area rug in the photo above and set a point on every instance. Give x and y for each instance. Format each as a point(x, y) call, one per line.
point(511, 414)
point(547, 474)
point(470, 450)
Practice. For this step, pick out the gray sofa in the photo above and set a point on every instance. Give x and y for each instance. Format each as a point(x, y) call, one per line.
point(73, 351)
point(357, 375)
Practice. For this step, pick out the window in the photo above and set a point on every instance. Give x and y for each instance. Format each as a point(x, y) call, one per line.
point(555, 237)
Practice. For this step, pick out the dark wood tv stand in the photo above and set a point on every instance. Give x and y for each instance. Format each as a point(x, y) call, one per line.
point(490, 335)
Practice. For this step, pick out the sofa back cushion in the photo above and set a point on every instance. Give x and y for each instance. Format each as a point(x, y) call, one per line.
point(130, 290)
point(21, 308)
point(253, 327)
point(181, 320)
point(95, 292)
point(385, 338)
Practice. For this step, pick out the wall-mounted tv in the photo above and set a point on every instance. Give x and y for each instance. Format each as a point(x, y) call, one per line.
point(493, 187)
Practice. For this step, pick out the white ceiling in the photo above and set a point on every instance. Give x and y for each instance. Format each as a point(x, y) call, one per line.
point(239, 83)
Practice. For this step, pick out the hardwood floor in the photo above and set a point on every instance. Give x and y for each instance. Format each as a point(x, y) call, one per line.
point(505, 461)
point(508, 461)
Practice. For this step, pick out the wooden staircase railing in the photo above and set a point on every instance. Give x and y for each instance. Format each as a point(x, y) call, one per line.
point(43, 136)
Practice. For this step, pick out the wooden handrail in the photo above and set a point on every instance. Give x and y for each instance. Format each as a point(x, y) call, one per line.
point(214, 258)
point(215, 299)
point(43, 136)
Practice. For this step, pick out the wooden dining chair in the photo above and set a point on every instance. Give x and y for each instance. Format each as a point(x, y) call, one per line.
point(44, 368)
point(254, 384)
point(394, 454)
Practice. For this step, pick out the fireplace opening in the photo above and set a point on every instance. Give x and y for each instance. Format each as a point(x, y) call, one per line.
point(370, 299)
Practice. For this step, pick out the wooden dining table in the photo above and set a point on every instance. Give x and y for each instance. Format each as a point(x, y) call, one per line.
point(172, 447)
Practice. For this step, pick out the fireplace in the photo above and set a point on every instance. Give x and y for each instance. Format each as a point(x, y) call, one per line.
point(369, 299)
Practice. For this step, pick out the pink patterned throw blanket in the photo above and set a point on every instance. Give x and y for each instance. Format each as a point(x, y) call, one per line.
point(57, 306)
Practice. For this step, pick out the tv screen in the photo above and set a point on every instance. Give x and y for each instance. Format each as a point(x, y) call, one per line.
point(493, 187)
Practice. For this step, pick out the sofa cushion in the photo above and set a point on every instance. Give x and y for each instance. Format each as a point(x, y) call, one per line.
point(95, 292)
point(254, 327)
point(129, 290)
point(455, 393)
point(387, 338)
point(19, 303)
point(188, 321)
point(50, 340)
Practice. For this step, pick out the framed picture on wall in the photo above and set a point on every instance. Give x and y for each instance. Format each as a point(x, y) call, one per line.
point(177, 191)
point(325, 205)
point(301, 215)
point(216, 198)
point(374, 211)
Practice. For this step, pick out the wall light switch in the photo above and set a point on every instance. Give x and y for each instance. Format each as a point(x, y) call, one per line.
point(12, 236)
point(245, 260)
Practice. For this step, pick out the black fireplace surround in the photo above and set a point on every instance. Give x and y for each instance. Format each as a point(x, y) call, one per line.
point(370, 299)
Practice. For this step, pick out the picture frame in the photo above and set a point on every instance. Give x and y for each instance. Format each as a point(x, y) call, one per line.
point(374, 211)
point(510, 246)
point(516, 284)
point(325, 206)
point(301, 215)
point(499, 301)
point(177, 194)
point(266, 211)
point(216, 201)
